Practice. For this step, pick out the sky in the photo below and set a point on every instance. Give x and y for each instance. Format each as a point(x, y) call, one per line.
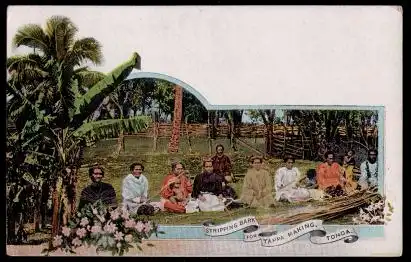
point(251, 55)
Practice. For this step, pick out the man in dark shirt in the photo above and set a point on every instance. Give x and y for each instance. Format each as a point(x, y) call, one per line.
point(207, 182)
point(97, 190)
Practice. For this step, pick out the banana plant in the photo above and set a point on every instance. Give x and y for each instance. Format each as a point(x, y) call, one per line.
point(70, 137)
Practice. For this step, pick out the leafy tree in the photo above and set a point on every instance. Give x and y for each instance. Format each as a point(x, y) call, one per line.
point(51, 103)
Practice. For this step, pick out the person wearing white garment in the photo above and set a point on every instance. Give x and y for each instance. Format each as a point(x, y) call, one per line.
point(135, 188)
point(369, 171)
point(286, 180)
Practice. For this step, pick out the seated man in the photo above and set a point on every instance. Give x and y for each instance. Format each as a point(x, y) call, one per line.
point(135, 188)
point(329, 175)
point(287, 179)
point(208, 188)
point(222, 167)
point(207, 182)
point(171, 199)
point(257, 187)
point(369, 171)
point(97, 190)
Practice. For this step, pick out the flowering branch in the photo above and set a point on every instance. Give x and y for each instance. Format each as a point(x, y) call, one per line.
point(108, 230)
point(375, 213)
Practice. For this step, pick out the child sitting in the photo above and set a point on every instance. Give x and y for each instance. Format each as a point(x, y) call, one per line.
point(178, 197)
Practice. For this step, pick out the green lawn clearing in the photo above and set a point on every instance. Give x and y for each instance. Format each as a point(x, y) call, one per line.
point(157, 166)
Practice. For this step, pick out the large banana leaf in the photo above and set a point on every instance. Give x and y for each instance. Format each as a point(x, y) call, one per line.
point(89, 102)
point(111, 127)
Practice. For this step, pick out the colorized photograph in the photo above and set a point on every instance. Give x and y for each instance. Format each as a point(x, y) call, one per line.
point(112, 162)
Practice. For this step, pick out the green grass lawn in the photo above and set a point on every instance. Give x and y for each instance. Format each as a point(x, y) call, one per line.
point(157, 166)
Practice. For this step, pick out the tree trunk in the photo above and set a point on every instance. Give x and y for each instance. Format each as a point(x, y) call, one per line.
point(55, 224)
point(210, 149)
point(155, 134)
point(37, 212)
point(120, 144)
point(269, 139)
point(173, 145)
point(11, 222)
point(232, 130)
point(215, 124)
point(190, 148)
point(73, 188)
point(268, 119)
point(44, 200)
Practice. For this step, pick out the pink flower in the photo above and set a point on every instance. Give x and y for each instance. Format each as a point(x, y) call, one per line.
point(58, 240)
point(114, 214)
point(76, 242)
point(126, 214)
point(96, 229)
point(118, 236)
point(81, 232)
point(129, 223)
point(148, 227)
point(128, 238)
point(84, 222)
point(66, 231)
point(139, 226)
point(110, 227)
point(88, 227)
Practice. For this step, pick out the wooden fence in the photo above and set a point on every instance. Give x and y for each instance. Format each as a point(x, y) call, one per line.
point(245, 130)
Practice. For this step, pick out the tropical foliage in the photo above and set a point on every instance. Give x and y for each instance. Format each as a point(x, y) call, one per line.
point(51, 102)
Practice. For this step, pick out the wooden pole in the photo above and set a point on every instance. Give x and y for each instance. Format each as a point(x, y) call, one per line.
point(210, 149)
point(177, 115)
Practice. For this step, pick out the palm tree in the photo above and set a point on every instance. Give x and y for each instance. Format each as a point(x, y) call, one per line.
point(53, 99)
point(177, 116)
point(69, 140)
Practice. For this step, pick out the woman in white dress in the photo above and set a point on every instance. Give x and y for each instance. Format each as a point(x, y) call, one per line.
point(286, 180)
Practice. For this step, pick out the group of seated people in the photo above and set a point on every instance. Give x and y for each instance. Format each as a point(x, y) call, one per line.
point(211, 190)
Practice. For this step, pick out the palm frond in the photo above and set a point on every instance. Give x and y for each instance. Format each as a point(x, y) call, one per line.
point(86, 49)
point(24, 68)
point(90, 101)
point(57, 29)
point(111, 127)
point(88, 78)
point(32, 36)
point(64, 34)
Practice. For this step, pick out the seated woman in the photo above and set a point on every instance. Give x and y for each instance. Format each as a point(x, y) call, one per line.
point(135, 191)
point(286, 183)
point(170, 200)
point(257, 187)
point(347, 168)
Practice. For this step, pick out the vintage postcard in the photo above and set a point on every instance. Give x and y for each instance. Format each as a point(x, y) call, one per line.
point(204, 131)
